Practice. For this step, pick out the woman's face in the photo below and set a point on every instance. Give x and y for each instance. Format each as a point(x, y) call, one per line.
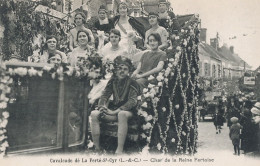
point(114, 39)
point(153, 43)
point(56, 60)
point(94, 73)
point(79, 20)
point(162, 8)
point(122, 9)
point(51, 44)
point(82, 39)
point(153, 20)
point(102, 14)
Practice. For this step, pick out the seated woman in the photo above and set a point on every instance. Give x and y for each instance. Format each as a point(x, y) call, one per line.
point(80, 20)
point(51, 48)
point(125, 92)
point(83, 51)
point(110, 52)
point(155, 28)
point(151, 62)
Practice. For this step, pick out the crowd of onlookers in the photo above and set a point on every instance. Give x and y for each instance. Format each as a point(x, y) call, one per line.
point(242, 115)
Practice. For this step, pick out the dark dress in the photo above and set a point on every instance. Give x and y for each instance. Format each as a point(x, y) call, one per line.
point(104, 27)
point(165, 23)
point(248, 134)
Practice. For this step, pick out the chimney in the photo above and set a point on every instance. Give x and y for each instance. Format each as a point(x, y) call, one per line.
point(203, 35)
point(231, 48)
point(214, 43)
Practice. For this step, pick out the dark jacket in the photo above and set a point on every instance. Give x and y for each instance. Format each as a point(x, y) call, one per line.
point(125, 93)
point(140, 29)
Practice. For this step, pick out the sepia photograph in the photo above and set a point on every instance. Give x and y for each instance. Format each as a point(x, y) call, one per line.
point(129, 82)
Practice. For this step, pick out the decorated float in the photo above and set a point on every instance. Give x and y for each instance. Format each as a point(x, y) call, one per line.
point(45, 108)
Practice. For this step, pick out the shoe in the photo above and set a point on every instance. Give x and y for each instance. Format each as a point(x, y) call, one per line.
point(219, 131)
point(216, 132)
point(234, 153)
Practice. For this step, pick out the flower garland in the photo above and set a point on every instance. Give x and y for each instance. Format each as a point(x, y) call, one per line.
point(5, 81)
point(185, 66)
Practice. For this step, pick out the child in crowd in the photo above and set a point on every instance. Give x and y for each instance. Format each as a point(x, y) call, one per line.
point(234, 134)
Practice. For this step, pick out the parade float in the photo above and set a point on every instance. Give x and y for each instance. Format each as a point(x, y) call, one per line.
point(45, 108)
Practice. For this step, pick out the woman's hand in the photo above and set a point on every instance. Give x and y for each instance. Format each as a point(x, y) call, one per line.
point(138, 76)
point(134, 75)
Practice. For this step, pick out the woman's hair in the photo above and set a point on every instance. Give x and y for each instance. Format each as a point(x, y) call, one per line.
point(52, 55)
point(116, 32)
point(86, 32)
point(83, 16)
point(121, 3)
point(45, 47)
point(157, 38)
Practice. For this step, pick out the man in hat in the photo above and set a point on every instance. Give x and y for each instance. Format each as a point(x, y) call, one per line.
point(156, 28)
point(166, 16)
point(103, 23)
point(125, 92)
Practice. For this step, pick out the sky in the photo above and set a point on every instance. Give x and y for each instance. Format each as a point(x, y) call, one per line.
point(236, 21)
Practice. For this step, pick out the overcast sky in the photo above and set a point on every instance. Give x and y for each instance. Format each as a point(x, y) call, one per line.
point(237, 19)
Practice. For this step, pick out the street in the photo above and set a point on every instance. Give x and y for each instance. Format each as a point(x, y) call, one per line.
point(218, 146)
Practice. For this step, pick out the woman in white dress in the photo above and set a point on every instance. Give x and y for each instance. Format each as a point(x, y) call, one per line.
point(127, 24)
point(110, 51)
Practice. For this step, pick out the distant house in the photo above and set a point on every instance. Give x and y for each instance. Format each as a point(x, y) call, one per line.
point(219, 62)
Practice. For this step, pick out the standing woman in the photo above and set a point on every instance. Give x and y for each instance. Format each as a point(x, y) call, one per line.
point(51, 48)
point(83, 51)
point(103, 23)
point(126, 24)
point(80, 20)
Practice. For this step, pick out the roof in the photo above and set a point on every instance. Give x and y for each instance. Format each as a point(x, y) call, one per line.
point(224, 50)
point(207, 50)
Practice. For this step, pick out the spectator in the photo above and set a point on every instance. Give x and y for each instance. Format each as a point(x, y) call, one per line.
point(234, 134)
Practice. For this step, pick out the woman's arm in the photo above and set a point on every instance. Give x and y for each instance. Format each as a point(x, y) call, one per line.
point(158, 68)
point(137, 70)
point(71, 42)
point(164, 36)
